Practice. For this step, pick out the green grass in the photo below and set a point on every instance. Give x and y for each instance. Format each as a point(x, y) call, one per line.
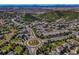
point(16, 40)
point(77, 51)
point(59, 42)
point(53, 16)
point(18, 49)
point(29, 18)
point(1, 42)
point(5, 48)
point(33, 42)
point(46, 48)
point(48, 17)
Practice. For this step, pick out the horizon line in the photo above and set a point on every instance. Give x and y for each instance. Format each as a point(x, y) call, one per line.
point(39, 5)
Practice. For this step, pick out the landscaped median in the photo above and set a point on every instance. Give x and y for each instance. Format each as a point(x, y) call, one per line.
point(33, 43)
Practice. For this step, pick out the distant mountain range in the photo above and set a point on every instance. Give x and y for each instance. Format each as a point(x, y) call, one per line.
point(40, 8)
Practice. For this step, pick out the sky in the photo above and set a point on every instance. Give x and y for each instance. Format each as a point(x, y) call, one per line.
point(39, 1)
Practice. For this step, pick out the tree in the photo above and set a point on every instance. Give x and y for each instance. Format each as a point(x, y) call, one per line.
point(78, 51)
